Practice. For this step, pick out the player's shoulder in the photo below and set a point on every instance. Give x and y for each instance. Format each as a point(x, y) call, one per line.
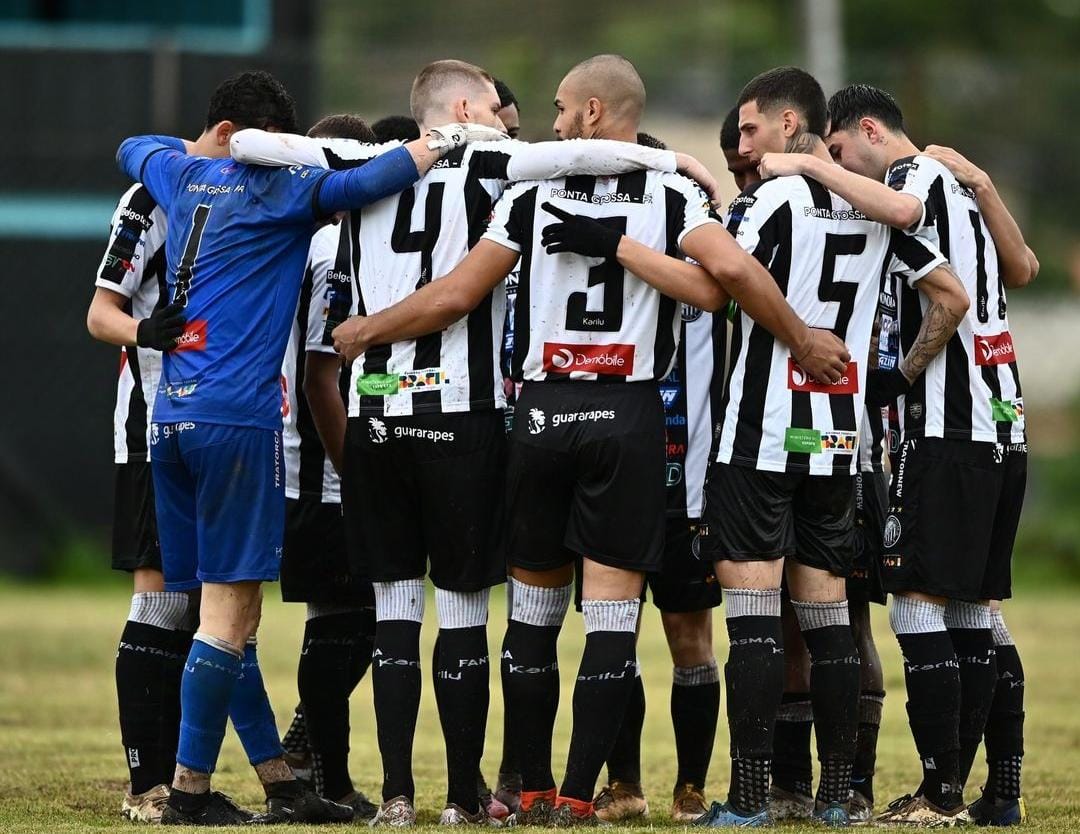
point(903, 170)
point(677, 182)
point(324, 242)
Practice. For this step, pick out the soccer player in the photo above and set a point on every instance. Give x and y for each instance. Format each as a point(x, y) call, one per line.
point(426, 424)
point(315, 568)
point(396, 128)
point(235, 247)
point(779, 495)
point(586, 468)
point(129, 310)
point(510, 111)
point(963, 437)
point(742, 168)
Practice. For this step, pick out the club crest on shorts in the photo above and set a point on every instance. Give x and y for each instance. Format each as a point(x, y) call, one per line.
point(376, 430)
point(537, 420)
point(892, 531)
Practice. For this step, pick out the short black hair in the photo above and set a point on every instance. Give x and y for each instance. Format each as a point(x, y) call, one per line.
point(253, 99)
point(401, 128)
point(855, 101)
point(342, 126)
point(729, 131)
point(791, 86)
point(506, 95)
point(650, 141)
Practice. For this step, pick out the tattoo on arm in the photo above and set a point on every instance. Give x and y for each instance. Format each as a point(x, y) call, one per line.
point(938, 325)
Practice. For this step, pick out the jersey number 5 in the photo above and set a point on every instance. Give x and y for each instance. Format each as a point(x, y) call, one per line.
point(191, 252)
point(610, 275)
point(842, 292)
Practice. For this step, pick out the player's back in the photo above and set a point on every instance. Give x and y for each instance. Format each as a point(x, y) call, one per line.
point(581, 319)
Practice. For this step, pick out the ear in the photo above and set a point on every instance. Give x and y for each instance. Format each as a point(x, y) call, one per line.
point(461, 110)
point(870, 130)
point(223, 132)
point(594, 110)
point(790, 122)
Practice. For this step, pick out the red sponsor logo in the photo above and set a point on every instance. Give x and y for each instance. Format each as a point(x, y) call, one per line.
point(994, 350)
point(800, 380)
point(193, 337)
point(560, 358)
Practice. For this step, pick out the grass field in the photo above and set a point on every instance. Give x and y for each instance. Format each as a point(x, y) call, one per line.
point(61, 766)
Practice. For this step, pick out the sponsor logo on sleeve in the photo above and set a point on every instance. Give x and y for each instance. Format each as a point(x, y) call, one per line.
point(193, 337)
point(614, 360)
point(800, 380)
point(994, 350)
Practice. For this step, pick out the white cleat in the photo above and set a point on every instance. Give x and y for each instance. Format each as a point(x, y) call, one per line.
point(396, 813)
point(145, 807)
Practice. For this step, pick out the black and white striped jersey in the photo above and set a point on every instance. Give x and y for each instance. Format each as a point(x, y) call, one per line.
point(872, 435)
point(971, 390)
point(134, 266)
point(326, 299)
point(420, 235)
point(828, 260)
point(589, 319)
point(693, 402)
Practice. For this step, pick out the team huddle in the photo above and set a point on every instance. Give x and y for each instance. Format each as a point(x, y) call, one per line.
point(367, 356)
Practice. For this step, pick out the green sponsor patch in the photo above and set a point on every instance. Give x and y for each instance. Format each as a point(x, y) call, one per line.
point(1003, 411)
point(377, 385)
point(804, 441)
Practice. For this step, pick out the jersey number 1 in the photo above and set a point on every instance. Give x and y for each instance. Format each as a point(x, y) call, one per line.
point(610, 274)
point(191, 252)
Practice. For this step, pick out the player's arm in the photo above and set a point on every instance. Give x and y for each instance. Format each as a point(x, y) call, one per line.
point(879, 202)
point(321, 374)
point(432, 308)
point(156, 162)
point(108, 321)
point(1017, 262)
point(673, 277)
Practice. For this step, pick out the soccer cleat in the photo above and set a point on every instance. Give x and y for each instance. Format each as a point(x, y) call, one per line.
point(456, 815)
point(996, 812)
point(832, 815)
point(145, 807)
point(786, 805)
point(724, 816)
point(916, 812)
point(495, 809)
point(217, 810)
point(620, 801)
point(688, 804)
point(508, 790)
point(536, 808)
point(564, 816)
point(860, 809)
point(305, 806)
point(363, 808)
point(396, 813)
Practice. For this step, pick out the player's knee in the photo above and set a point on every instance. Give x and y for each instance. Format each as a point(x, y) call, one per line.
point(536, 606)
point(689, 637)
point(462, 609)
point(400, 600)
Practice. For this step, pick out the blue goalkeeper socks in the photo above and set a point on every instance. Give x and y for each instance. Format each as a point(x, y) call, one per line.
point(210, 677)
point(251, 714)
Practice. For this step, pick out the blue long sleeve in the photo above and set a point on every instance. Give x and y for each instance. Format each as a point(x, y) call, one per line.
point(355, 188)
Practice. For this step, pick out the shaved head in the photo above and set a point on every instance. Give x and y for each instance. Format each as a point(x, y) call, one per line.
point(613, 80)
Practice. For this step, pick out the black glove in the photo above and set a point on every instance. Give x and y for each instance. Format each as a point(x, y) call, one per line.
point(578, 234)
point(885, 387)
point(161, 329)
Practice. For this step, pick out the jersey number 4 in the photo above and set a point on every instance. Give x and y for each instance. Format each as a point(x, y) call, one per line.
point(405, 239)
point(191, 252)
point(610, 275)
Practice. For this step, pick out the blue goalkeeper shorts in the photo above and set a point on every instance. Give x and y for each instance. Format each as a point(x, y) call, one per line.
point(220, 499)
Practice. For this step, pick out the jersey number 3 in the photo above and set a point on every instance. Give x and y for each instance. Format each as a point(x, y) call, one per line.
point(610, 275)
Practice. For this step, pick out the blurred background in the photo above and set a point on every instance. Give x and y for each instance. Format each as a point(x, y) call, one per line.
point(999, 81)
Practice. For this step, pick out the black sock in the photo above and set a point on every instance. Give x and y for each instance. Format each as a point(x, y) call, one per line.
point(978, 676)
point(148, 667)
point(932, 676)
point(395, 677)
point(862, 774)
point(834, 691)
point(605, 682)
point(695, 708)
point(296, 740)
point(754, 674)
point(1005, 727)
point(792, 764)
point(335, 655)
point(461, 692)
point(624, 760)
point(530, 680)
point(510, 764)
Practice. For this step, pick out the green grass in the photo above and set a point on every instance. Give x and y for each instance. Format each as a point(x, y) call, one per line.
point(62, 769)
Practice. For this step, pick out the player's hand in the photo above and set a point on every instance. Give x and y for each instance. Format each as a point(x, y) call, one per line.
point(824, 356)
point(448, 137)
point(958, 164)
point(695, 170)
point(580, 235)
point(784, 165)
point(161, 329)
point(350, 339)
point(885, 387)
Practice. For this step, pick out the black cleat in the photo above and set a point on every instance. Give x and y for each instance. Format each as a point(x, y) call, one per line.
point(218, 809)
point(302, 805)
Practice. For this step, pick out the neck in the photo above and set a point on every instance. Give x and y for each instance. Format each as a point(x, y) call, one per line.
point(808, 143)
point(206, 145)
point(900, 147)
point(621, 132)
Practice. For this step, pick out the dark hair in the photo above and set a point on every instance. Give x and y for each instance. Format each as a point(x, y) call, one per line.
point(791, 86)
point(253, 99)
point(729, 131)
point(343, 126)
point(650, 141)
point(506, 95)
point(855, 101)
point(402, 128)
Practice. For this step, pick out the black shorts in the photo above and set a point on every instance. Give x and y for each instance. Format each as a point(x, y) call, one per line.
point(871, 507)
point(685, 582)
point(752, 516)
point(315, 566)
point(953, 512)
point(427, 487)
point(135, 536)
point(586, 475)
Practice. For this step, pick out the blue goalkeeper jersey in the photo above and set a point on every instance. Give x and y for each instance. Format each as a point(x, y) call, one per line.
point(237, 241)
